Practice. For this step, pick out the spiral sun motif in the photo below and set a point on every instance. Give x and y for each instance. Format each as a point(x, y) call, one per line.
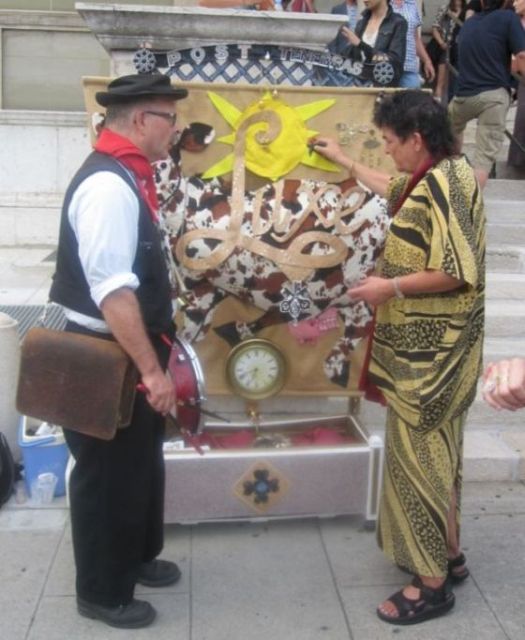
point(275, 156)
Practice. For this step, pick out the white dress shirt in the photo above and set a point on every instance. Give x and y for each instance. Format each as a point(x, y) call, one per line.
point(104, 213)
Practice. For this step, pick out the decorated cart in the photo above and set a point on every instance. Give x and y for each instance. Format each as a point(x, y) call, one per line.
point(265, 237)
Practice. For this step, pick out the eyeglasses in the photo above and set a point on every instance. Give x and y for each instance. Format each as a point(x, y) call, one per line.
point(170, 117)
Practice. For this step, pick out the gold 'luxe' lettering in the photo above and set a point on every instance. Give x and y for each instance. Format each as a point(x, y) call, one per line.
point(295, 261)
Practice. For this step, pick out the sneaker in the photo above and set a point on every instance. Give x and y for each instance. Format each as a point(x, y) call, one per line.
point(158, 573)
point(133, 615)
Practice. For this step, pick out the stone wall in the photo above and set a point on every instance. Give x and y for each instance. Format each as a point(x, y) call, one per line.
point(39, 154)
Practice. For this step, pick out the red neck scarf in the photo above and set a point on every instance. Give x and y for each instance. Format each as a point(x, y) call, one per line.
point(414, 179)
point(123, 150)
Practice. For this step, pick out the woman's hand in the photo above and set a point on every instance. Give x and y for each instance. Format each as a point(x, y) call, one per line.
point(428, 70)
point(504, 384)
point(329, 148)
point(350, 36)
point(373, 290)
point(375, 180)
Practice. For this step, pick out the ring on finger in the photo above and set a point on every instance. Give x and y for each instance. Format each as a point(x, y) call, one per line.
point(490, 385)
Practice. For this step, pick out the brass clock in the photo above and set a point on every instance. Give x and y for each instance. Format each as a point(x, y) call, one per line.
point(256, 369)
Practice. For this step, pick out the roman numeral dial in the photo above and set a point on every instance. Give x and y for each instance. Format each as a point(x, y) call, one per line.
point(256, 369)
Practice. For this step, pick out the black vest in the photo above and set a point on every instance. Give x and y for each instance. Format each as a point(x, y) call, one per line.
point(70, 287)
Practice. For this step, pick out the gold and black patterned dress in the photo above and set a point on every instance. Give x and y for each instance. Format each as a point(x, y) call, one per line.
point(426, 359)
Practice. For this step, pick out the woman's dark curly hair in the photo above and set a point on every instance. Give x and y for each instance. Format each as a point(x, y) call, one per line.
point(407, 112)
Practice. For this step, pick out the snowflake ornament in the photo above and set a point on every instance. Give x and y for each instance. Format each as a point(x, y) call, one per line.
point(144, 61)
point(295, 300)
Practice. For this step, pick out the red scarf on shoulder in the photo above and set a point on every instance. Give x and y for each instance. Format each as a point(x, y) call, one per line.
point(414, 179)
point(123, 150)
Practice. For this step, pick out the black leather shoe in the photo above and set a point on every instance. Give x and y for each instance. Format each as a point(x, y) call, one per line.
point(158, 573)
point(133, 615)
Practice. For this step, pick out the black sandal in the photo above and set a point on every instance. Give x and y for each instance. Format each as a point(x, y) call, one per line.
point(430, 604)
point(457, 571)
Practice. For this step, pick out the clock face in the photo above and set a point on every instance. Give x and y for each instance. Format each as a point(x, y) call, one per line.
point(256, 369)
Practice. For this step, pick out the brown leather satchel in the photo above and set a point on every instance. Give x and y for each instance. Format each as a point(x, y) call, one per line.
point(75, 381)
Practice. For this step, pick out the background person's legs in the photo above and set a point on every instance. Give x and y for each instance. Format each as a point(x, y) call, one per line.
point(410, 80)
point(461, 111)
point(490, 132)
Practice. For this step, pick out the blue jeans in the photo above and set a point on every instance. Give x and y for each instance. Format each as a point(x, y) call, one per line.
point(410, 80)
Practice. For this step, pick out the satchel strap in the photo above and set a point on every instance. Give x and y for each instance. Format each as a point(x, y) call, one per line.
point(42, 319)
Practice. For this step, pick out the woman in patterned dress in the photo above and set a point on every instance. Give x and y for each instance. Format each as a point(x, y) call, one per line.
point(427, 346)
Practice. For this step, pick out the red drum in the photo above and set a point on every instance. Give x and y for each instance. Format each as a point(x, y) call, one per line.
point(188, 381)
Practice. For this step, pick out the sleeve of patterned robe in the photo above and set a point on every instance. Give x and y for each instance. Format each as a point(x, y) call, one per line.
point(452, 242)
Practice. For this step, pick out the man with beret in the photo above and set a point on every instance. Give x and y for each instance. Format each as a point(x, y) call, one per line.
point(112, 282)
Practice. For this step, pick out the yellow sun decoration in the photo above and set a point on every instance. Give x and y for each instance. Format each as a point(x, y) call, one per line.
point(278, 157)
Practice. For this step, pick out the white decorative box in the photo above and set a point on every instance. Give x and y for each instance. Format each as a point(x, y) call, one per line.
point(267, 482)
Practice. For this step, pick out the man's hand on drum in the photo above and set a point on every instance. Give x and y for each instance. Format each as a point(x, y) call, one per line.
point(504, 384)
point(373, 290)
point(159, 391)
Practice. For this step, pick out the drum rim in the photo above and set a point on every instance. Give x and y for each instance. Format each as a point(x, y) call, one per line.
point(199, 375)
point(195, 364)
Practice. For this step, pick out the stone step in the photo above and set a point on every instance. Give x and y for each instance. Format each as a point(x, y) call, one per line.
point(505, 211)
point(505, 221)
point(505, 258)
point(509, 286)
point(494, 456)
point(504, 190)
point(505, 319)
point(503, 232)
point(510, 211)
point(495, 348)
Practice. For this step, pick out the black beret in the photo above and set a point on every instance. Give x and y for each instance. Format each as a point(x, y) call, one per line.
point(134, 87)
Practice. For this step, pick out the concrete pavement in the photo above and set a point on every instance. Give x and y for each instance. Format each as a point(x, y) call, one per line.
point(276, 580)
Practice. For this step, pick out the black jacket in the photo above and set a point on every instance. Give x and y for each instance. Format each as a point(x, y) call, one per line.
point(391, 41)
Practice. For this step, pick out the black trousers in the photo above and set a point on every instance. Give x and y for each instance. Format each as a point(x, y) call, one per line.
point(116, 492)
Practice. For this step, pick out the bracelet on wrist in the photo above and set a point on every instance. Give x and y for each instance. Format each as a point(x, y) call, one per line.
point(397, 289)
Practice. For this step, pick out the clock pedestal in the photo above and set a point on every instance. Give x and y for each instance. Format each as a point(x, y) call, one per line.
point(264, 475)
